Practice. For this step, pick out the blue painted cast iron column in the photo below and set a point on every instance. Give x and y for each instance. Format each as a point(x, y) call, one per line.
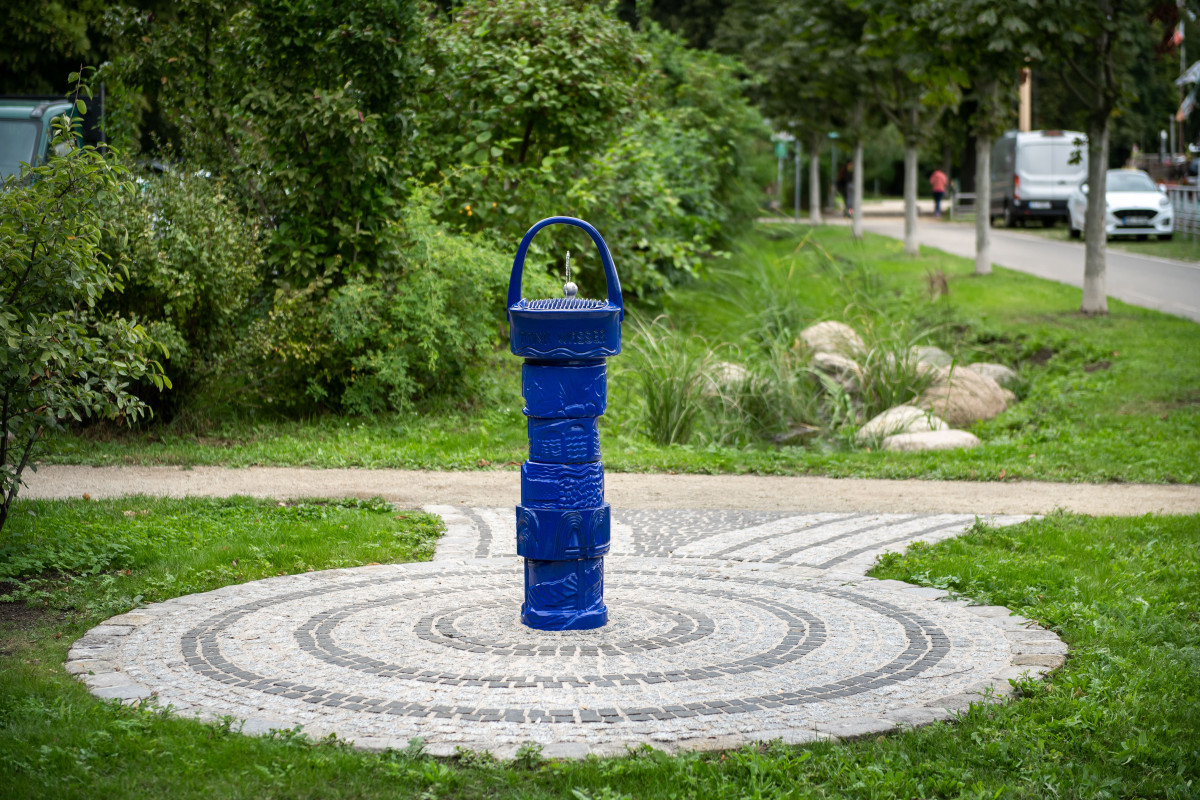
point(563, 523)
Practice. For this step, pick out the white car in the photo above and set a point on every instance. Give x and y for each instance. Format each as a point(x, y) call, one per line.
point(1133, 206)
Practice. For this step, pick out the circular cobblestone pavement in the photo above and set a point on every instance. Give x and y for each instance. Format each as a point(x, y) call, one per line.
point(701, 652)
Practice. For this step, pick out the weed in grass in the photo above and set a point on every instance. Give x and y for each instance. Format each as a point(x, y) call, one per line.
point(529, 756)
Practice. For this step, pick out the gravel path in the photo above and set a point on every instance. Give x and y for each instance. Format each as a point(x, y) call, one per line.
point(626, 490)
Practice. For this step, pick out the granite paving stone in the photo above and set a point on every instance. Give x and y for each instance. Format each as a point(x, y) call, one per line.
point(726, 627)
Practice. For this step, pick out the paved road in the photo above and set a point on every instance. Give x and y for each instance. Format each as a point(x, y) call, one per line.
point(1160, 283)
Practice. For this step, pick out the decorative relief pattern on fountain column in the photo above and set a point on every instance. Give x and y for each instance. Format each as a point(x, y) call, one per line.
point(563, 524)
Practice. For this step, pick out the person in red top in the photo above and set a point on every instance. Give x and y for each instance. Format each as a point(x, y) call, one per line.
point(937, 182)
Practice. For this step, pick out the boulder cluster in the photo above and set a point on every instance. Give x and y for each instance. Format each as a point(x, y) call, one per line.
point(956, 396)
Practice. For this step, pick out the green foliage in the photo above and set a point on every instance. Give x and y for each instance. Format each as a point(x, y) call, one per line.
point(670, 373)
point(1101, 400)
point(43, 40)
point(61, 360)
point(530, 112)
point(757, 305)
point(192, 262)
point(780, 399)
point(650, 188)
point(534, 78)
point(419, 326)
point(518, 97)
point(302, 105)
point(360, 301)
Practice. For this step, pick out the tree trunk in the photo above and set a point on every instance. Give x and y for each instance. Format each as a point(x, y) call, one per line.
point(983, 203)
point(814, 180)
point(1095, 296)
point(856, 192)
point(910, 198)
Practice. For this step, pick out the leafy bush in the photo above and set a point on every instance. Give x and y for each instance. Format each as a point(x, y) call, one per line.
point(61, 360)
point(303, 105)
point(302, 276)
point(410, 331)
point(193, 261)
point(531, 110)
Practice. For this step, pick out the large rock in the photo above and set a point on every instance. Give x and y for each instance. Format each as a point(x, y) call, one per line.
point(900, 419)
point(997, 372)
point(845, 371)
point(930, 440)
point(832, 337)
point(934, 356)
point(721, 376)
point(962, 396)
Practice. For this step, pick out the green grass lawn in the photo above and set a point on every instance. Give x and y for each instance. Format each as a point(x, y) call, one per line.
point(1120, 719)
point(1114, 398)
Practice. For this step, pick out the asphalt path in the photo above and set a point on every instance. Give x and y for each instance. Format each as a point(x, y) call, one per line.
point(1147, 281)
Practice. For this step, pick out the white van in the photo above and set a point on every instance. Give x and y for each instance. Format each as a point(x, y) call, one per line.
point(1032, 175)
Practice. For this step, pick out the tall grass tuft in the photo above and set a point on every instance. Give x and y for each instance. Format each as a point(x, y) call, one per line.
point(779, 399)
point(670, 370)
point(890, 375)
point(757, 298)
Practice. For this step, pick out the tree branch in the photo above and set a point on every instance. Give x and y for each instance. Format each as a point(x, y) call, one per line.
point(4, 431)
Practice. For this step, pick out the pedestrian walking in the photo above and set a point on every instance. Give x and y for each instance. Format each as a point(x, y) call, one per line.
point(844, 181)
point(937, 182)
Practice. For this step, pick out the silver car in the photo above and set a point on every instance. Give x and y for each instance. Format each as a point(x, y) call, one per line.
point(1133, 206)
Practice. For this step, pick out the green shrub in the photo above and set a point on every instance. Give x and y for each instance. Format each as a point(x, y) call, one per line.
point(193, 261)
point(303, 105)
point(533, 109)
point(410, 332)
point(60, 359)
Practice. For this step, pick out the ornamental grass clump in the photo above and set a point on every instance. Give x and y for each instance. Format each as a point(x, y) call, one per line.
point(779, 398)
point(890, 373)
point(670, 371)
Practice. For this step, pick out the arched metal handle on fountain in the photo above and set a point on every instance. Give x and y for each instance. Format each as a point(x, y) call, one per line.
point(610, 269)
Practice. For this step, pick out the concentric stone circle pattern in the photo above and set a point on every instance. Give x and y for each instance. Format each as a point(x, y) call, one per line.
point(726, 628)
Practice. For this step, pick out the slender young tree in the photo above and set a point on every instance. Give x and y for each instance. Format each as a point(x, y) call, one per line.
point(918, 81)
point(813, 68)
point(1094, 45)
point(775, 40)
point(992, 41)
point(857, 189)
